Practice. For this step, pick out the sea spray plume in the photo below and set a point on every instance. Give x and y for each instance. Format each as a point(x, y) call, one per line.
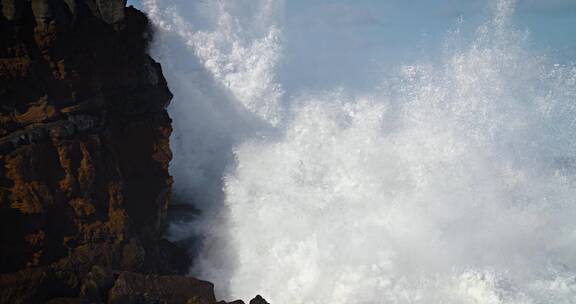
point(219, 58)
point(444, 187)
point(240, 51)
point(453, 184)
point(503, 13)
point(219, 61)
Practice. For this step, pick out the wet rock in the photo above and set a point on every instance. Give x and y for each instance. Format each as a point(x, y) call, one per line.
point(111, 11)
point(258, 300)
point(11, 9)
point(66, 301)
point(96, 285)
point(84, 155)
point(137, 288)
point(74, 157)
point(42, 10)
point(84, 179)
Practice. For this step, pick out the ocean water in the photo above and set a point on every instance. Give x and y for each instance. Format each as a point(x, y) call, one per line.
point(375, 151)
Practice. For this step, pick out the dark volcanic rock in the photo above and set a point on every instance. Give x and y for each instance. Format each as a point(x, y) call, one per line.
point(84, 146)
point(137, 288)
point(258, 300)
point(84, 155)
point(83, 133)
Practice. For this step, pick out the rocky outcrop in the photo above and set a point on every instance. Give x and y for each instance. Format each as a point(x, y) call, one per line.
point(84, 154)
point(84, 134)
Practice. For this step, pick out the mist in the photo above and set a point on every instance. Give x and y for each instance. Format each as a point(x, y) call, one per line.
point(330, 167)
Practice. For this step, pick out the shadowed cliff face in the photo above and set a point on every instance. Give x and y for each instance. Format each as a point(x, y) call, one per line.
point(84, 130)
point(84, 145)
point(84, 155)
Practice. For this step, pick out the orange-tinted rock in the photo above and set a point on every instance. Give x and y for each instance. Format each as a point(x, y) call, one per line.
point(84, 144)
point(137, 288)
point(84, 155)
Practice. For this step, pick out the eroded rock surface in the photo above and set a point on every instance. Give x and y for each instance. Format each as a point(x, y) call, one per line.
point(84, 145)
point(84, 155)
point(83, 133)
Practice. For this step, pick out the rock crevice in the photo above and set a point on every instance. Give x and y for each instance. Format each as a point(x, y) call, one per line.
point(84, 155)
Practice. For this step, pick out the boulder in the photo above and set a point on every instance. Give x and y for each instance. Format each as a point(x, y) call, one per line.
point(11, 9)
point(258, 300)
point(111, 11)
point(137, 288)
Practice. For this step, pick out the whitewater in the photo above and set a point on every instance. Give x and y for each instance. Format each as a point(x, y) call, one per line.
point(451, 181)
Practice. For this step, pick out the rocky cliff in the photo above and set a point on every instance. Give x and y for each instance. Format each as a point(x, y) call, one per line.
point(84, 155)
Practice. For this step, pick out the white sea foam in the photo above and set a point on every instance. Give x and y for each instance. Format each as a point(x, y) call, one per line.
point(453, 182)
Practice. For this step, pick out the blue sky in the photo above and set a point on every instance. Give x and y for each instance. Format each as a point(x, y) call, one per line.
point(551, 22)
point(401, 31)
point(361, 34)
